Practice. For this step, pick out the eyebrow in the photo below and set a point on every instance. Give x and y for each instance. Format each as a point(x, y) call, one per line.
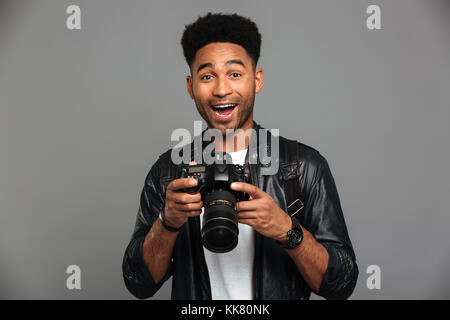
point(210, 65)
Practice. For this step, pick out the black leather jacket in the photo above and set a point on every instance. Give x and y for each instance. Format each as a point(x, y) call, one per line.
point(275, 275)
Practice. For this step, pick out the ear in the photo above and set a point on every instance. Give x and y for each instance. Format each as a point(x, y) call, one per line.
point(259, 80)
point(189, 86)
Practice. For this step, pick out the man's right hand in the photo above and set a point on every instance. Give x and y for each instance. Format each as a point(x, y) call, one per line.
point(179, 204)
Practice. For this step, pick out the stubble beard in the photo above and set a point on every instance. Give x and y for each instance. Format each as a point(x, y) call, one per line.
point(242, 119)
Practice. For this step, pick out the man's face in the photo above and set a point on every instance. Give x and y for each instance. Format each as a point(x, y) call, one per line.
point(223, 85)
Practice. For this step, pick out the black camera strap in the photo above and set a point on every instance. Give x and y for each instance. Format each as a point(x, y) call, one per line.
point(290, 171)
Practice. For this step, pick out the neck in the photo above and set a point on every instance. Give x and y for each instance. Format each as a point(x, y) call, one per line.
point(237, 140)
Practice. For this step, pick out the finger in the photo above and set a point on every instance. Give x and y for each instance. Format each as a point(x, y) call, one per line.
point(182, 183)
point(252, 190)
point(188, 206)
point(247, 205)
point(247, 215)
point(192, 163)
point(193, 213)
point(183, 197)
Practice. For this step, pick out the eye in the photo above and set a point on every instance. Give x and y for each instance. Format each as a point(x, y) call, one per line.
point(206, 77)
point(235, 75)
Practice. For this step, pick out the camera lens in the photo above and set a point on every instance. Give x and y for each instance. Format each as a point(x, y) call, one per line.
point(220, 226)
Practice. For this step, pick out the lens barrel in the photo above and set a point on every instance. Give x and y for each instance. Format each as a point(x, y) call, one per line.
point(220, 224)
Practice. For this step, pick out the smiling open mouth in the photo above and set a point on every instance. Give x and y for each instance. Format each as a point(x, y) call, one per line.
point(223, 111)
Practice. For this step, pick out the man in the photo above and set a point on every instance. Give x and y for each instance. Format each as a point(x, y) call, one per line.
point(278, 256)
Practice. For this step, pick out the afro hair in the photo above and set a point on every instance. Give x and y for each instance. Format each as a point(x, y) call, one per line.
point(220, 27)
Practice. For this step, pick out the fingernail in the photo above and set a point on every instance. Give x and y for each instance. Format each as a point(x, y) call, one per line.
point(193, 182)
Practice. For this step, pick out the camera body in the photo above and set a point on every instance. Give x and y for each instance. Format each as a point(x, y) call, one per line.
point(215, 176)
point(220, 224)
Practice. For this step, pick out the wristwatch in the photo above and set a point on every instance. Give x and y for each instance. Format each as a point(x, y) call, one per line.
point(294, 236)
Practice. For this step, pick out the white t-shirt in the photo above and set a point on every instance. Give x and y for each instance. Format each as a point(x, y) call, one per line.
point(231, 273)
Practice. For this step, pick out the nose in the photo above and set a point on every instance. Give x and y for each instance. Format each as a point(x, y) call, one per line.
point(222, 87)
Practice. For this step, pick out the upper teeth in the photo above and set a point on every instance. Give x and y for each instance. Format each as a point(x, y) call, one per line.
point(225, 105)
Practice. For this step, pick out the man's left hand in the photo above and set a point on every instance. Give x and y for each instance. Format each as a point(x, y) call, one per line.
point(262, 213)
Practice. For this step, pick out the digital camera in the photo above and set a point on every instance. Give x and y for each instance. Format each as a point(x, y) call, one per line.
point(220, 223)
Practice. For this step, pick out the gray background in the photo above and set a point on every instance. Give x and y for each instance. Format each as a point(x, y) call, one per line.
point(84, 115)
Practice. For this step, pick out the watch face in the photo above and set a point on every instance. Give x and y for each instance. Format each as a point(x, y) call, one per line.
point(295, 235)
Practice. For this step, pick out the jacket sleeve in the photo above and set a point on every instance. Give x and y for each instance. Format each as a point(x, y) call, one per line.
point(136, 275)
point(325, 220)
